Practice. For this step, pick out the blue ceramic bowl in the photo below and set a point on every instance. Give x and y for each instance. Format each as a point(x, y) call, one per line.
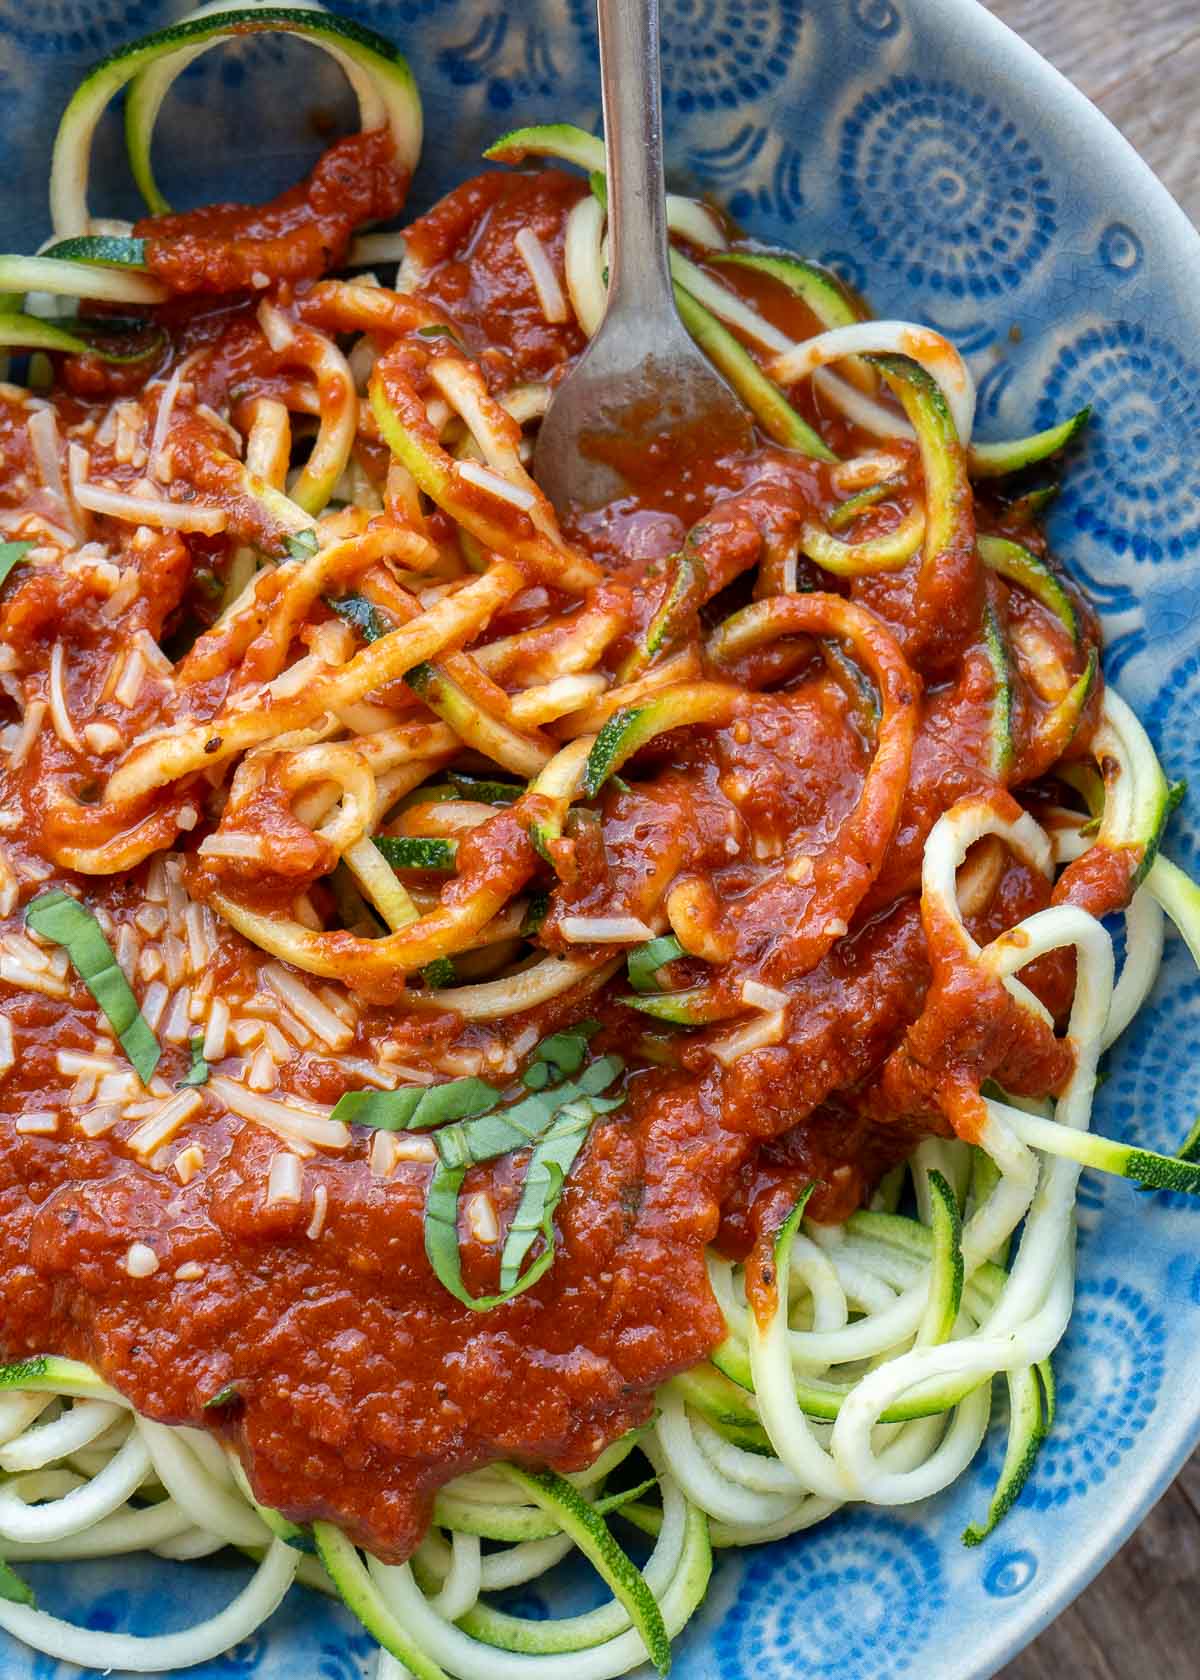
point(928, 155)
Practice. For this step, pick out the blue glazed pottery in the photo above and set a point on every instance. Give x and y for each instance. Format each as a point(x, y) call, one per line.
point(921, 150)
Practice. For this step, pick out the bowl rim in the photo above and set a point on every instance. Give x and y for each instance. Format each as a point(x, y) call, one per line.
point(979, 32)
point(987, 43)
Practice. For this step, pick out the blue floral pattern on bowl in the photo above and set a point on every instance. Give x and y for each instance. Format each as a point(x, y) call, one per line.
point(927, 155)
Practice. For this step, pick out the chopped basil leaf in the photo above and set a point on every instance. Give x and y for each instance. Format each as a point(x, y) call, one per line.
point(413, 1108)
point(415, 851)
point(560, 1054)
point(197, 1073)
point(545, 1179)
point(644, 961)
point(227, 1396)
point(58, 916)
point(361, 614)
point(436, 330)
point(535, 915)
point(10, 553)
point(439, 973)
point(561, 1119)
point(12, 1588)
point(302, 545)
point(207, 582)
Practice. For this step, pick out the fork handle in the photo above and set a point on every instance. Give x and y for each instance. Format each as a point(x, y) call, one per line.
point(639, 278)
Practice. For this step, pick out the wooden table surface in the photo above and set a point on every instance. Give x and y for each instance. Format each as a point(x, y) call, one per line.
point(1140, 1618)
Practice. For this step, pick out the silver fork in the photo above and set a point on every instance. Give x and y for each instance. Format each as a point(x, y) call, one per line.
point(641, 380)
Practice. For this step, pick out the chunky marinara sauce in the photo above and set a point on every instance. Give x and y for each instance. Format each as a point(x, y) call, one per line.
point(354, 1384)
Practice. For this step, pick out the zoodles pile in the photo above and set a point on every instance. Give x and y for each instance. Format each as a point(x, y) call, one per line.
point(404, 817)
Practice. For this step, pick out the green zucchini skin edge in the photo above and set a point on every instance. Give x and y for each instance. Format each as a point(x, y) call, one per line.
point(946, 1278)
point(1001, 735)
point(1027, 1429)
point(365, 1602)
point(31, 332)
point(72, 146)
point(415, 851)
point(106, 249)
point(761, 395)
point(949, 503)
point(627, 731)
point(577, 1518)
point(559, 140)
point(995, 460)
point(1020, 565)
point(818, 287)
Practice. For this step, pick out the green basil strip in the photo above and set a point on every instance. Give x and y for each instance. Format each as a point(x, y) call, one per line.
point(494, 1134)
point(560, 1119)
point(303, 544)
point(417, 851)
point(439, 973)
point(414, 1108)
point(13, 1588)
point(437, 330)
point(535, 915)
point(549, 1165)
point(363, 615)
point(58, 916)
point(644, 961)
point(559, 1055)
point(197, 1073)
point(10, 553)
point(227, 1396)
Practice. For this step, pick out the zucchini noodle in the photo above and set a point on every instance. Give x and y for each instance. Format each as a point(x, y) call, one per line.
point(370, 829)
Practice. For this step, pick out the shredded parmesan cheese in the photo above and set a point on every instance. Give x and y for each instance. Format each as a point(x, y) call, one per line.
point(481, 1218)
point(188, 1163)
point(604, 930)
point(44, 439)
point(99, 1120)
point(485, 479)
point(38, 1122)
point(304, 1127)
point(216, 1031)
point(101, 738)
point(383, 1154)
point(762, 1031)
point(321, 1020)
point(153, 1004)
point(541, 271)
point(233, 845)
point(759, 996)
point(285, 1182)
point(162, 420)
point(60, 716)
point(409, 1146)
point(141, 1260)
point(31, 728)
point(129, 686)
point(151, 510)
point(152, 1134)
point(320, 1207)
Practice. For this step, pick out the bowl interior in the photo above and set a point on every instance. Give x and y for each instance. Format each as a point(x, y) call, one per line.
point(931, 158)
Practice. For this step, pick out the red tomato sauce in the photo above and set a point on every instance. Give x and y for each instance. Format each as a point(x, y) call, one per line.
point(359, 1385)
